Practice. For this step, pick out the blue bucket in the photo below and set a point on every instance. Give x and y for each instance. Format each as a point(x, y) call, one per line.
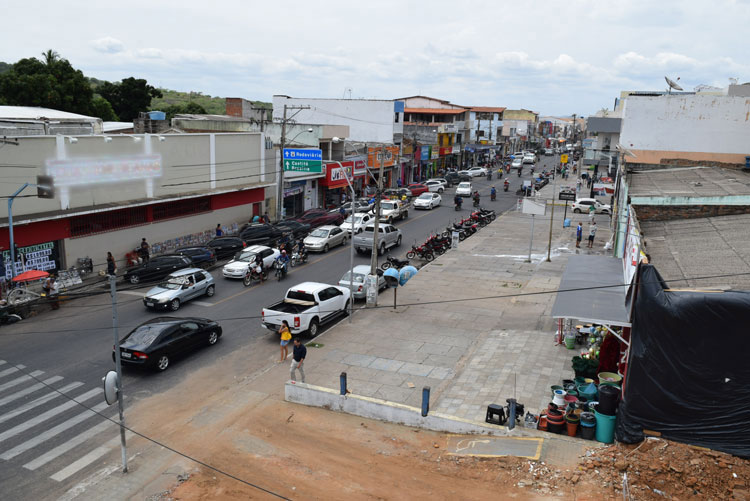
point(605, 428)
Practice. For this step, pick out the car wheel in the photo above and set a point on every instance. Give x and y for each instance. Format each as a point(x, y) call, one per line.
point(398, 241)
point(381, 250)
point(312, 331)
point(440, 190)
point(325, 248)
point(210, 291)
point(213, 337)
point(430, 207)
point(162, 362)
point(343, 241)
point(174, 305)
point(359, 231)
point(577, 211)
point(359, 251)
point(390, 220)
point(347, 307)
point(134, 279)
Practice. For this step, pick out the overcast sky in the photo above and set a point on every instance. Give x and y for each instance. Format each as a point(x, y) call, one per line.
point(555, 57)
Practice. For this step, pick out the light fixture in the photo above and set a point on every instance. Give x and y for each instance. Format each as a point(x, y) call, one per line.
point(72, 140)
point(162, 139)
point(136, 139)
point(107, 139)
point(337, 139)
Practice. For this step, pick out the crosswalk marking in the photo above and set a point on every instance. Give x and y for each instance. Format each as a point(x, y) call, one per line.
point(52, 432)
point(70, 444)
point(50, 413)
point(39, 401)
point(19, 380)
point(87, 459)
point(31, 389)
point(11, 370)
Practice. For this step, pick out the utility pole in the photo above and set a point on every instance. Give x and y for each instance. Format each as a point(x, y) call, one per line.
point(376, 224)
point(280, 188)
point(552, 214)
point(118, 368)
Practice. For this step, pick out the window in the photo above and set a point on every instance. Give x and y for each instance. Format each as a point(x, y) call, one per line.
point(189, 326)
point(180, 208)
point(107, 221)
point(396, 119)
point(199, 277)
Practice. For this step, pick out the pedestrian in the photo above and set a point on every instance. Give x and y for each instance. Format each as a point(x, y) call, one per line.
point(398, 182)
point(111, 266)
point(219, 231)
point(579, 235)
point(286, 336)
point(144, 252)
point(50, 289)
point(266, 218)
point(299, 353)
point(256, 219)
point(592, 211)
point(592, 234)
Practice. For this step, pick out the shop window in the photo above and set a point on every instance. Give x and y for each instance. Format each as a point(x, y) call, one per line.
point(180, 208)
point(107, 221)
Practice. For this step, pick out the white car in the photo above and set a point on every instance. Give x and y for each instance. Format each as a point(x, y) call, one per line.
point(477, 171)
point(427, 201)
point(360, 221)
point(360, 275)
point(323, 238)
point(440, 180)
point(435, 186)
point(548, 152)
point(517, 162)
point(237, 267)
point(583, 204)
point(529, 158)
point(464, 189)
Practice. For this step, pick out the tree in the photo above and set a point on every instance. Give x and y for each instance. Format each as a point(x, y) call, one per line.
point(129, 97)
point(181, 109)
point(102, 109)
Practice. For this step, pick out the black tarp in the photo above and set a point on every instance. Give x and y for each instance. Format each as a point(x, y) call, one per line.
point(688, 374)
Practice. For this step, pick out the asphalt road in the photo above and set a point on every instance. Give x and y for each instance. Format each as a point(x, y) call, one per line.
point(75, 342)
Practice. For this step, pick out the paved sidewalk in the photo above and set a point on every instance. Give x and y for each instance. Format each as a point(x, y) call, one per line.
point(496, 344)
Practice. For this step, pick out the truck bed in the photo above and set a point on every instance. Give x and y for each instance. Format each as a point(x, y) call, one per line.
point(289, 307)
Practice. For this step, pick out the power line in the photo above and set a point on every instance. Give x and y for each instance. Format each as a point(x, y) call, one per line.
point(152, 440)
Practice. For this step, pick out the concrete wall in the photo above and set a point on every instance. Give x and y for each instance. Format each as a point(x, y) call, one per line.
point(671, 212)
point(699, 124)
point(368, 120)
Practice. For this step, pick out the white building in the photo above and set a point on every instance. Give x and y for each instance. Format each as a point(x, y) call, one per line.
point(33, 121)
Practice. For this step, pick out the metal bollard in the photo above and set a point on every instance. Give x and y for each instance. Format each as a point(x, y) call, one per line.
point(425, 401)
point(342, 383)
point(511, 413)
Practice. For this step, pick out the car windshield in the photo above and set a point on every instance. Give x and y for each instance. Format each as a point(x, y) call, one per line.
point(464, 185)
point(173, 283)
point(319, 233)
point(146, 334)
point(357, 219)
point(358, 277)
point(387, 205)
point(425, 196)
point(246, 256)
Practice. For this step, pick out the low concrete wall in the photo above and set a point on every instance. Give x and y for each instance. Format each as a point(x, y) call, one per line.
point(382, 410)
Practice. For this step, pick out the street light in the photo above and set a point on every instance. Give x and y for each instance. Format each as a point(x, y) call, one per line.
point(351, 243)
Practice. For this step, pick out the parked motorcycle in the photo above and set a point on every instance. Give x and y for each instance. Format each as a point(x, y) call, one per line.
point(420, 252)
point(254, 274)
point(394, 262)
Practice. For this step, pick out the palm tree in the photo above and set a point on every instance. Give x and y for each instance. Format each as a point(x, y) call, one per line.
point(50, 57)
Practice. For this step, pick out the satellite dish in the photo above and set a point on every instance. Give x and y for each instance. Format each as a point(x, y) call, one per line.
point(672, 84)
point(111, 385)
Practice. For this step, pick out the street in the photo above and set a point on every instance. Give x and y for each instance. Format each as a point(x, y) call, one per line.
point(73, 347)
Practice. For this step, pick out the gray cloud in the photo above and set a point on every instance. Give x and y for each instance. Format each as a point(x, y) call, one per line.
point(107, 45)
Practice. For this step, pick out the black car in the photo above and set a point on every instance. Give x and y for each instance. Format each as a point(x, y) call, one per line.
point(299, 230)
point(201, 256)
point(455, 177)
point(262, 234)
point(157, 268)
point(155, 343)
point(225, 247)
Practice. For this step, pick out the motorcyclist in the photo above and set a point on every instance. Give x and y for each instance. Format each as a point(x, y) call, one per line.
point(301, 250)
point(458, 200)
point(258, 266)
point(493, 193)
point(283, 261)
point(476, 199)
point(489, 174)
point(506, 184)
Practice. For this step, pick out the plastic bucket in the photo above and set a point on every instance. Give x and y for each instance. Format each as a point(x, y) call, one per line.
point(605, 427)
point(570, 342)
point(588, 391)
point(579, 380)
point(609, 377)
point(588, 429)
point(609, 396)
point(559, 398)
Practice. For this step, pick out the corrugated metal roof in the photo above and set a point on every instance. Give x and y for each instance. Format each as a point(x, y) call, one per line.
point(436, 111)
point(487, 109)
point(34, 113)
point(112, 126)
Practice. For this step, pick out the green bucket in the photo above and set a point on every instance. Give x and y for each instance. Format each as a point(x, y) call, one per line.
point(570, 342)
point(605, 428)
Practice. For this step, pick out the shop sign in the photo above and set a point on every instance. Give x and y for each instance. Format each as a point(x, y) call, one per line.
point(337, 174)
point(435, 154)
point(82, 171)
point(425, 153)
point(374, 155)
point(456, 150)
point(445, 151)
point(294, 188)
point(44, 257)
point(360, 165)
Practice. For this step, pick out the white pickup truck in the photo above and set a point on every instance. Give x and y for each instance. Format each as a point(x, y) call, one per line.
point(390, 210)
point(306, 307)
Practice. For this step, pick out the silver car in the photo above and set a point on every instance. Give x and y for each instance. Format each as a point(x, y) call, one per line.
point(360, 275)
point(179, 287)
point(325, 237)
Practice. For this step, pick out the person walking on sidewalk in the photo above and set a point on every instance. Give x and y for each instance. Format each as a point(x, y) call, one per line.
point(111, 267)
point(579, 235)
point(286, 336)
point(298, 360)
point(592, 234)
point(219, 231)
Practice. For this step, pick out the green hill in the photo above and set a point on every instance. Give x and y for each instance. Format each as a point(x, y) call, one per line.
point(212, 105)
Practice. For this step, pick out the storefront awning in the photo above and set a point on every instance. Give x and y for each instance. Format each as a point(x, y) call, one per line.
point(591, 291)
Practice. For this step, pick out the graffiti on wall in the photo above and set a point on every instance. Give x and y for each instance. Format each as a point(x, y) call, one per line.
point(199, 238)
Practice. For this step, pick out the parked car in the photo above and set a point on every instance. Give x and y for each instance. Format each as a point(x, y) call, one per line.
point(319, 217)
point(435, 186)
point(325, 237)
point(455, 177)
point(464, 189)
point(157, 268)
point(199, 255)
point(306, 306)
point(299, 230)
point(180, 287)
point(477, 171)
point(360, 275)
point(225, 247)
point(237, 267)
point(154, 344)
point(388, 236)
point(417, 189)
point(263, 234)
point(397, 193)
point(370, 202)
point(427, 201)
point(583, 204)
point(441, 180)
point(358, 207)
point(360, 221)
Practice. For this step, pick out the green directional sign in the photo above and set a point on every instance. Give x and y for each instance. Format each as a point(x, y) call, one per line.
point(303, 160)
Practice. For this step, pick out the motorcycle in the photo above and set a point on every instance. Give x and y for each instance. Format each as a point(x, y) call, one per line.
point(493, 195)
point(519, 172)
point(298, 258)
point(394, 262)
point(421, 253)
point(458, 204)
point(476, 201)
point(505, 186)
point(489, 175)
point(254, 274)
point(280, 270)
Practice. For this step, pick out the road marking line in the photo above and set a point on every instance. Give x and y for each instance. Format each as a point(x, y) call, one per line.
point(11, 370)
point(46, 415)
point(30, 389)
point(39, 401)
point(87, 459)
point(201, 303)
point(52, 432)
point(2, 362)
point(132, 293)
point(17, 381)
point(70, 444)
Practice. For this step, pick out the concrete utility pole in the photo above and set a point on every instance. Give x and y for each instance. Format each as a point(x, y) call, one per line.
point(376, 224)
point(552, 214)
point(118, 368)
point(280, 188)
